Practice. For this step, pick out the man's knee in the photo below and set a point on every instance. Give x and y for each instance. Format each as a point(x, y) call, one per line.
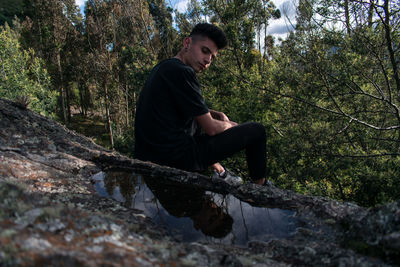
point(256, 129)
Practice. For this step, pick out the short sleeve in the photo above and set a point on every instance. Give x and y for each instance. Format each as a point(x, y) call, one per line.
point(187, 94)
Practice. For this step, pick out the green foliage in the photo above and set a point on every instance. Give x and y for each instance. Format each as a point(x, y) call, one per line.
point(9, 9)
point(23, 74)
point(92, 127)
point(328, 95)
point(125, 143)
point(328, 100)
point(337, 111)
point(162, 16)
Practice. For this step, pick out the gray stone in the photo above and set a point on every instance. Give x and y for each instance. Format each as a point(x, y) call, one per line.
point(50, 213)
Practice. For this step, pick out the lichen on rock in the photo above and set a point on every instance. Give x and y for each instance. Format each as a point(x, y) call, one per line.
point(50, 212)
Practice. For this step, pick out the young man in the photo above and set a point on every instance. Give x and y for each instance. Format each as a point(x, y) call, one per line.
point(171, 105)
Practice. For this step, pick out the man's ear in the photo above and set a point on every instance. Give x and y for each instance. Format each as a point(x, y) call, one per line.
point(186, 42)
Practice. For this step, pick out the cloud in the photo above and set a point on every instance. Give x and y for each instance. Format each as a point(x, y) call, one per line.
point(80, 2)
point(280, 28)
point(181, 6)
point(288, 9)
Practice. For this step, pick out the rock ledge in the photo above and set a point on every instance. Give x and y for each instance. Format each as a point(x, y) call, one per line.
point(50, 213)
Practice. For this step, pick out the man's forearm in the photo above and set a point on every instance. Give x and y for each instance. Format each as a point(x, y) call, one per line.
point(220, 126)
point(213, 126)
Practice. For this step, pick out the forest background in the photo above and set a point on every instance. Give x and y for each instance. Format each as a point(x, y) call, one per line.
point(328, 94)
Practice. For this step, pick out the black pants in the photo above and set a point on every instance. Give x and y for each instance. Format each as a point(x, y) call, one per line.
point(249, 136)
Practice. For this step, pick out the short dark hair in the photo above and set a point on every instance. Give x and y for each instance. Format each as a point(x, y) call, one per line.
point(211, 31)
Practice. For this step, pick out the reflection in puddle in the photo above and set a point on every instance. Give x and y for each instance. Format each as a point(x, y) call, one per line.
point(191, 214)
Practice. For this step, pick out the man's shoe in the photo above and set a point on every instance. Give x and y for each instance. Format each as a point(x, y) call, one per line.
point(229, 177)
point(268, 183)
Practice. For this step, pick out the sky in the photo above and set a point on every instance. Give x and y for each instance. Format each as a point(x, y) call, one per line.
point(277, 28)
point(281, 27)
point(80, 3)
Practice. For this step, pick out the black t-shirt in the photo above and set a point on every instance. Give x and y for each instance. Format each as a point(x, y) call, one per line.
point(166, 108)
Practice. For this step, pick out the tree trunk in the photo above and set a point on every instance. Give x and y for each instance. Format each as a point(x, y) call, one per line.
point(134, 104)
point(389, 43)
point(83, 110)
point(109, 128)
point(127, 105)
point(68, 103)
point(371, 12)
point(61, 87)
point(347, 16)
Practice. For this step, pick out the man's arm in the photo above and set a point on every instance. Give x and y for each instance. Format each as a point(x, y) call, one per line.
point(219, 115)
point(213, 126)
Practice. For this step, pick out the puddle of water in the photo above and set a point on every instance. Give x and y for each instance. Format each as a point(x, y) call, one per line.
point(194, 215)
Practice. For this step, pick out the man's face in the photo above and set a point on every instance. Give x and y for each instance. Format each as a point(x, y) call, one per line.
point(201, 51)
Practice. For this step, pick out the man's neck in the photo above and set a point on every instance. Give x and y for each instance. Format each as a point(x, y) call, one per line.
point(180, 57)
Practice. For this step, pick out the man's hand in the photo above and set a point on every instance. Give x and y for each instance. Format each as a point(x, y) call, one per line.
point(213, 126)
point(218, 115)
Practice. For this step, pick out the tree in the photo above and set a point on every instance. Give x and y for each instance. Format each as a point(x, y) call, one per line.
point(23, 77)
point(9, 9)
point(166, 34)
point(337, 88)
point(46, 29)
point(122, 44)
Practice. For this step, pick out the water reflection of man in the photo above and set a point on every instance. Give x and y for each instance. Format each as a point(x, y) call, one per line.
point(182, 201)
point(126, 181)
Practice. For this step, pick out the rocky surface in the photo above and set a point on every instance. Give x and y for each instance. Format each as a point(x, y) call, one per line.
point(50, 213)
